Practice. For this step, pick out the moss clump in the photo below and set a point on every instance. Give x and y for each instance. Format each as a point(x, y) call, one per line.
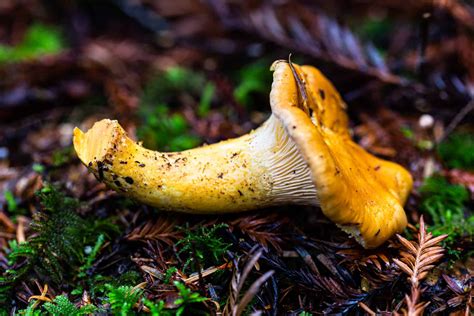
point(161, 129)
point(458, 151)
point(55, 251)
point(204, 245)
point(446, 204)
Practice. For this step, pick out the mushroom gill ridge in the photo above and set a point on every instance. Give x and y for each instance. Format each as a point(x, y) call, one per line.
point(362, 194)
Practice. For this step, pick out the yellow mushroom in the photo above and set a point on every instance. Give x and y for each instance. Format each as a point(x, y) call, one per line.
point(303, 154)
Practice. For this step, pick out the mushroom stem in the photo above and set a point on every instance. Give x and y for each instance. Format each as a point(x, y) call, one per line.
point(257, 170)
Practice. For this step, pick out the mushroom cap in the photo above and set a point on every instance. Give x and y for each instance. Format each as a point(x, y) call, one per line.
point(362, 194)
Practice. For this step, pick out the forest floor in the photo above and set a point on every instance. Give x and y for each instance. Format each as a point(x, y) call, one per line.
point(177, 74)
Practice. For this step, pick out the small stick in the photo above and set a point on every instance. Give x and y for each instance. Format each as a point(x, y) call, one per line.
point(457, 119)
point(367, 309)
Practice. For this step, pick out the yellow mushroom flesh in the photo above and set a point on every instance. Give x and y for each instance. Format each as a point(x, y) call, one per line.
point(260, 169)
point(362, 194)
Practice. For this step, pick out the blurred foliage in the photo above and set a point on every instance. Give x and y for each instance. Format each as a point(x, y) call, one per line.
point(63, 156)
point(375, 29)
point(12, 205)
point(165, 131)
point(206, 99)
point(38, 168)
point(458, 151)
point(446, 204)
point(254, 78)
point(160, 129)
point(423, 144)
point(39, 40)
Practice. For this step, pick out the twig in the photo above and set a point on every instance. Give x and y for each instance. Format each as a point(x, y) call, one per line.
point(460, 11)
point(234, 306)
point(457, 119)
point(41, 297)
point(6, 221)
point(367, 309)
point(20, 231)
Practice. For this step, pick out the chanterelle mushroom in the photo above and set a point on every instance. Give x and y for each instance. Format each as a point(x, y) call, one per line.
point(303, 154)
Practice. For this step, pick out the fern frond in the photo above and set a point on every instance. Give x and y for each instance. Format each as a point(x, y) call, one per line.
point(416, 261)
point(163, 230)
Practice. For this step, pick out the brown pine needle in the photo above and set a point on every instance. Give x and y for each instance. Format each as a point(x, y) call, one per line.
point(416, 260)
point(367, 309)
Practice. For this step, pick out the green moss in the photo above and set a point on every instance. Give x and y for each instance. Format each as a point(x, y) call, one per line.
point(169, 274)
point(122, 299)
point(62, 306)
point(39, 40)
point(407, 132)
point(447, 206)
point(186, 298)
point(458, 151)
point(92, 253)
point(97, 284)
point(184, 303)
point(55, 251)
point(63, 156)
point(203, 244)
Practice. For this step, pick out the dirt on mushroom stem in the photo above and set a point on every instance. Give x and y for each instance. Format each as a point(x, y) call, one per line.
point(257, 170)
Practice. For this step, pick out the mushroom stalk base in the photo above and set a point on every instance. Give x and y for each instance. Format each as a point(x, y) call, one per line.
point(260, 169)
